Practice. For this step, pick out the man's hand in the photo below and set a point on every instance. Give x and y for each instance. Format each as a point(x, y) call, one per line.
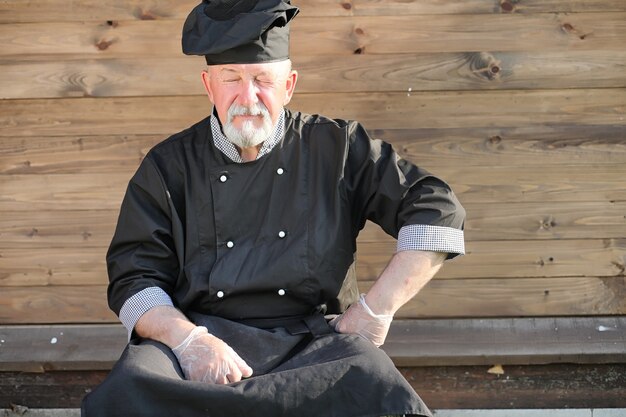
point(206, 358)
point(360, 319)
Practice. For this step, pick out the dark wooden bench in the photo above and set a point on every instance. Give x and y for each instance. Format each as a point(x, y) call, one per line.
point(452, 363)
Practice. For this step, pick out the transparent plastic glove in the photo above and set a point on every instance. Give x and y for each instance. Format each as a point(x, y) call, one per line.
point(360, 319)
point(206, 358)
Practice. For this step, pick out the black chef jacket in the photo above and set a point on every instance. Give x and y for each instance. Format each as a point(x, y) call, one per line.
point(271, 238)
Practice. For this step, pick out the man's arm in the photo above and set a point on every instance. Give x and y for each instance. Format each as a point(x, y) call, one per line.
point(405, 275)
point(202, 356)
point(164, 324)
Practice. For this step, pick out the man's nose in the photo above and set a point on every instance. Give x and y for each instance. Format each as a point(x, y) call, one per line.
point(248, 94)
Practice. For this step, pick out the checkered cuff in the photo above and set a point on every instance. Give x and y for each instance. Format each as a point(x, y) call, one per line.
point(138, 304)
point(431, 238)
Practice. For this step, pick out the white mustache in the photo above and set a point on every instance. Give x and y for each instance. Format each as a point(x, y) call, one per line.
point(254, 110)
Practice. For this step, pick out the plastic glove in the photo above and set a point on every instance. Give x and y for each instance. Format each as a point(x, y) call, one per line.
point(206, 358)
point(360, 319)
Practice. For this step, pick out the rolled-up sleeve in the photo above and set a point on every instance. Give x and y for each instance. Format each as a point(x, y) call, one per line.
point(408, 202)
point(142, 262)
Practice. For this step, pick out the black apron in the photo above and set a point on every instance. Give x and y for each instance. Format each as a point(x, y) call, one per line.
point(304, 370)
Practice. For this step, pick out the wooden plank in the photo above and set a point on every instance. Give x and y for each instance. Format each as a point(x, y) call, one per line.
point(430, 148)
point(505, 341)
point(12, 11)
point(510, 259)
point(47, 304)
point(74, 154)
point(542, 386)
point(517, 297)
point(22, 411)
point(461, 33)
point(560, 183)
point(83, 265)
point(53, 266)
point(486, 222)
point(562, 386)
point(457, 342)
point(42, 77)
point(468, 109)
point(492, 297)
point(339, 35)
point(61, 347)
point(579, 412)
point(63, 192)
point(69, 229)
point(493, 146)
point(521, 221)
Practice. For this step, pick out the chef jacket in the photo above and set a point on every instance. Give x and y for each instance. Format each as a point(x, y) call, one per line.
point(271, 238)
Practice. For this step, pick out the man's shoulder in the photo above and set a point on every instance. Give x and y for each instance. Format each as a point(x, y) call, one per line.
point(178, 141)
point(300, 119)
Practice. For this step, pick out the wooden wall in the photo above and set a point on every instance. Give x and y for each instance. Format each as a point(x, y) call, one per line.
point(519, 104)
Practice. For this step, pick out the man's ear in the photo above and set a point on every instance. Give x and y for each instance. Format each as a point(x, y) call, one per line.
point(290, 86)
point(206, 81)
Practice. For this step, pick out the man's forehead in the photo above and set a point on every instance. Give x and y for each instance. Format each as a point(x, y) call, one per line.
point(269, 68)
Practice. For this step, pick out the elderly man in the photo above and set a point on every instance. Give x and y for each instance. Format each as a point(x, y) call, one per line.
point(236, 241)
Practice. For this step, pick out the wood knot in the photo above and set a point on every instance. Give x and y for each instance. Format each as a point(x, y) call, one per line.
point(33, 232)
point(103, 45)
point(359, 31)
point(359, 51)
point(494, 140)
point(507, 6)
point(567, 27)
point(547, 223)
point(485, 65)
point(112, 23)
point(346, 6)
point(146, 16)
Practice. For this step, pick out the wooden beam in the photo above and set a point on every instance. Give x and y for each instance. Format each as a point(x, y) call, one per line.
point(337, 36)
point(487, 297)
point(468, 109)
point(538, 145)
point(55, 10)
point(499, 259)
point(42, 77)
point(12, 11)
point(410, 343)
point(508, 259)
point(508, 341)
point(490, 184)
point(75, 229)
point(562, 386)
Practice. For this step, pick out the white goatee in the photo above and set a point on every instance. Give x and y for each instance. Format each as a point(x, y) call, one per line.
point(248, 135)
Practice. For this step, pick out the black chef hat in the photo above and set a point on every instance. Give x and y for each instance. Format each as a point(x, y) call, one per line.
point(239, 32)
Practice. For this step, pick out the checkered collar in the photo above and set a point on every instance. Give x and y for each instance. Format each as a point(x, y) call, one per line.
point(226, 146)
